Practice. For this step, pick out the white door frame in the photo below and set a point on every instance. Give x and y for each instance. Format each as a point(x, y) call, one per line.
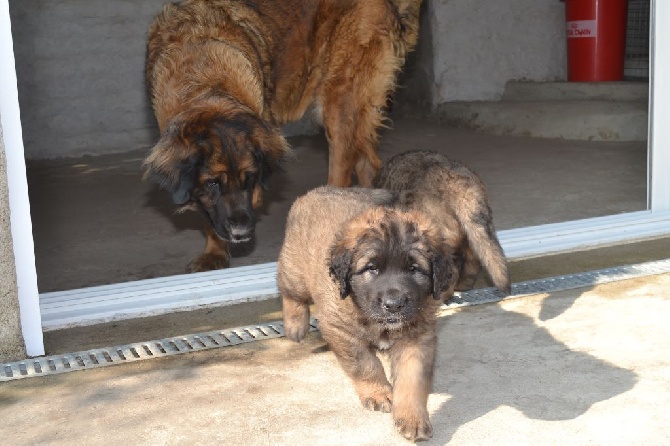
point(517, 242)
point(19, 205)
point(659, 109)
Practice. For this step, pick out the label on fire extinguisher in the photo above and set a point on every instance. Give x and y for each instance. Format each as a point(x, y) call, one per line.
point(581, 28)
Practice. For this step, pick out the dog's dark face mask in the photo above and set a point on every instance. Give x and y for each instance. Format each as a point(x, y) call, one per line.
point(220, 167)
point(228, 205)
point(391, 272)
point(390, 287)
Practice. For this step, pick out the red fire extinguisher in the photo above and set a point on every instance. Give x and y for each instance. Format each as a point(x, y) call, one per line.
point(596, 39)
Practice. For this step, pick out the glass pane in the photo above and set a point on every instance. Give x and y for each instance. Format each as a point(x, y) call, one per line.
point(88, 125)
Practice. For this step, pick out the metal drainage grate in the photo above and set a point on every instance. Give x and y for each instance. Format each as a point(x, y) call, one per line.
point(560, 283)
point(51, 365)
point(102, 357)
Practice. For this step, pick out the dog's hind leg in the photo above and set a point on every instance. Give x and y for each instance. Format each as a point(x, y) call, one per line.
point(340, 163)
point(216, 254)
point(469, 270)
point(354, 101)
point(351, 130)
point(366, 170)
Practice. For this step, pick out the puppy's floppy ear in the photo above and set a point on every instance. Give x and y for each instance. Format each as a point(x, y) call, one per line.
point(444, 274)
point(173, 165)
point(339, 267)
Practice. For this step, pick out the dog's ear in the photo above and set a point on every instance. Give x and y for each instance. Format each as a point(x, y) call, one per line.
point(266, 167)
point(339, 267)
point(270, 149)
point(173, 165)
point(444, 273)
point(188, 175)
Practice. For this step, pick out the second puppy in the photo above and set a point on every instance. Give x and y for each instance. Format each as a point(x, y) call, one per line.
point(376, 275)
point(455, 198)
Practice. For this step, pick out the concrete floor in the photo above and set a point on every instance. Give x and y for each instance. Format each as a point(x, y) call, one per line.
point(586, 366)
point(95, 222)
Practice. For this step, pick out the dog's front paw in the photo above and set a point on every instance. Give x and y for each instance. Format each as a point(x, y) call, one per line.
point(208, 262)
point(296, 318)
point(379, 399)
point(414, 427)
point(296, 324)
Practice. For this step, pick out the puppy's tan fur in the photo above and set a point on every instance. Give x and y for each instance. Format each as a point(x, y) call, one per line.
point(332, 237)
point(454, 196)
point(225, 74)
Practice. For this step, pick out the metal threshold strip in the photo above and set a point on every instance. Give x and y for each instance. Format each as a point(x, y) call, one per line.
point(151, 297)
point(89, 359)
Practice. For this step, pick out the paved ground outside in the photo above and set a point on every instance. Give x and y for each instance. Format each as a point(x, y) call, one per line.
point(586, 366)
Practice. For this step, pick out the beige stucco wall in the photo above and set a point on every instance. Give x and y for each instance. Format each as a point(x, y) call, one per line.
point(11, 340)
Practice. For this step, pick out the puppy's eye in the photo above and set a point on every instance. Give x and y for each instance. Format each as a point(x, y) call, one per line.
point(371, 268)
point(415, 268)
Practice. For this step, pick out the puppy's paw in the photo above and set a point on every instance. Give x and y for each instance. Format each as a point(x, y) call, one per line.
point(296, 331)
point(414, 428)
point(379, 399)
point(208, 262)
point(296, 318)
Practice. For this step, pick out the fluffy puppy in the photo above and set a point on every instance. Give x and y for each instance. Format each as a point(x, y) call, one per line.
point(376, 275)
point(455, 198)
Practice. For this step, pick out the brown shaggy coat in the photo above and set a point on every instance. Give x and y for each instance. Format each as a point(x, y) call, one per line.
point(225, 74)
point(376, 275)
point(454, 196)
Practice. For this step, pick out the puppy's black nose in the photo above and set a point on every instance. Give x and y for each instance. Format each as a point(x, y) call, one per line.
point(393, 304)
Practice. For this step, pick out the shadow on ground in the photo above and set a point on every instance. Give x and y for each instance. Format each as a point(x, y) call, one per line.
point(527, 369)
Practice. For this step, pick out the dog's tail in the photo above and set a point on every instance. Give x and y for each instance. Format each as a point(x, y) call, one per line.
point(408, 16)
point(477, 223)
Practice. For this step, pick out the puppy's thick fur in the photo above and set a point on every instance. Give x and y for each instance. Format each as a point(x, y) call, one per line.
point(225, 74)
point(455, 198)
point(376, 275)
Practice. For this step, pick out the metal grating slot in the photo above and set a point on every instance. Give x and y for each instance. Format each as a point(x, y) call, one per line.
point(55, 364)
point(51, 365)
point(560, 283)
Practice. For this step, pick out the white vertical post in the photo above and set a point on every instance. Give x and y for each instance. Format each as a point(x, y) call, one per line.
point(659, 108)
point(19, 204)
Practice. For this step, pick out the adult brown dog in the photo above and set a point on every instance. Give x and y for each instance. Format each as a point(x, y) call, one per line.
point(454, 197)
point(225, 74)
point(376, 275)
